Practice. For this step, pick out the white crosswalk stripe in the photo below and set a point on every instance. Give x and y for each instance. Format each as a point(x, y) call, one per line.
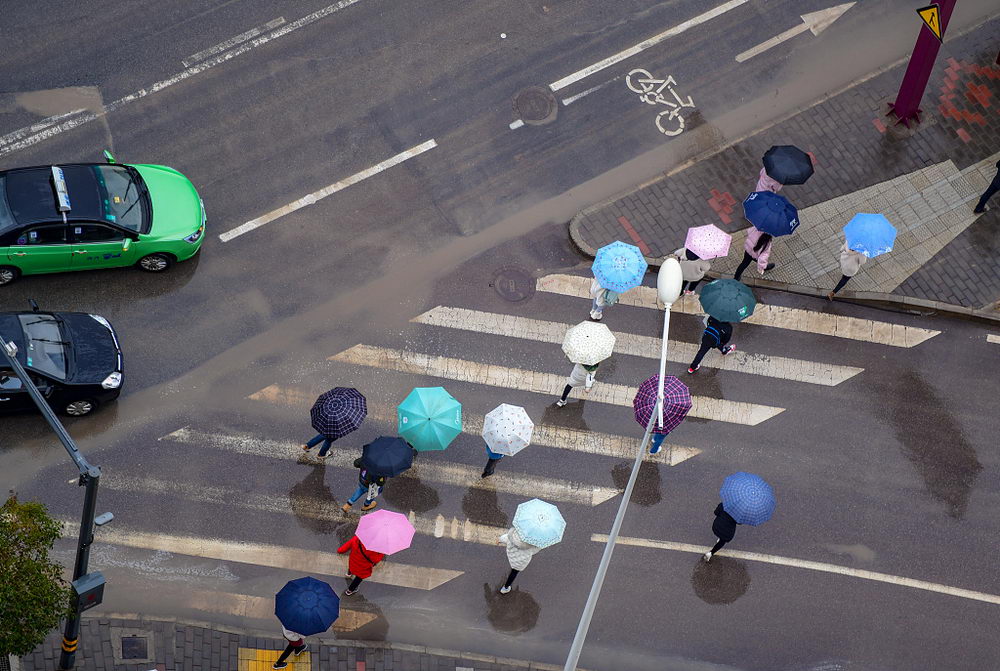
point(512, 326)
point(549, 435)
point(993, 338)
point(427, 470)
point(794, 319)
point(249, 607)
point(540, 383)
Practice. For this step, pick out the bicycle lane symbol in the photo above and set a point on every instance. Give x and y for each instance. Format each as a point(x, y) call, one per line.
point(650, 91)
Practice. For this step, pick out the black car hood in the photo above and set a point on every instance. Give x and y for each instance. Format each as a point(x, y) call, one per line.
point(95, 354)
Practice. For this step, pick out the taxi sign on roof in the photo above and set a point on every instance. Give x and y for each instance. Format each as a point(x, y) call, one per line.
point(931, 14)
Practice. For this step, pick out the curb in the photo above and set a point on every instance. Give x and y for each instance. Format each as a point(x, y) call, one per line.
point(333, 642)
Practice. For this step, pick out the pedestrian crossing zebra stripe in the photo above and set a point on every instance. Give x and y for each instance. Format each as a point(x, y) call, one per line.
point(247, 607)
point(273, 556)
point(512, 326)
point(417, 363)
point(548, 435)
point(430, 469)
point(793, 319)
point(993, 338)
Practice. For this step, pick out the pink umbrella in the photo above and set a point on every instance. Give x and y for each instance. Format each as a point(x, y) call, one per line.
point(708, 242)
point(385, 531)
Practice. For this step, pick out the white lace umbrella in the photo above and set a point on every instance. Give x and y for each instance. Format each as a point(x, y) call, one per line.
point(507, 429)
point(588, 343)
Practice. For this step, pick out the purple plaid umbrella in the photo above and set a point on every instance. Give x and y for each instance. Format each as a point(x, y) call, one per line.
point(338, 412)
point(708, 242)
point(676, 402)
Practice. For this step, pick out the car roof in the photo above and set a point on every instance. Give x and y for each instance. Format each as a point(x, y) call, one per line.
point(31, 199)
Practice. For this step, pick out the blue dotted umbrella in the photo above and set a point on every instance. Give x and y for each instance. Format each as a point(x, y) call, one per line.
point(338, 412)
point(619, 266)
point(747, 498)
point(771, 213)
point(870, 234)
point(307, 606)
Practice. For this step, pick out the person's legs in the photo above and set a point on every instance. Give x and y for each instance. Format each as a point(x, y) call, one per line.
point(744, 264)
point(370, 503)
point(491, 465)
point(990, 191)
point(840, 285)
point(715, 548)
point(596, 311)
point(657, 441)
point(326, 448)
point(358, 493)
point(353, 587)
point(562, 399)
point(510, 581)
point(707, 343)
point(289, 649)
point(692, 285)
point(313, 442)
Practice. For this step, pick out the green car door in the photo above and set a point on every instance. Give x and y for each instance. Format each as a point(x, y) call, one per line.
point(41, 249)
point(99, 246)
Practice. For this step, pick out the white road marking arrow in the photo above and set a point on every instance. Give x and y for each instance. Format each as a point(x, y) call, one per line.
point(816, 22)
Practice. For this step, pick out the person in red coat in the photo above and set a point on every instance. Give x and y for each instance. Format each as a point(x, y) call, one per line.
point(360, 562)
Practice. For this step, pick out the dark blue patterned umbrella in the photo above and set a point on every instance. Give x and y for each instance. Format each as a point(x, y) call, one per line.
point(747, 498)
point(387, 456)
point(338, 412)
point(306, 606)
point(771, 213)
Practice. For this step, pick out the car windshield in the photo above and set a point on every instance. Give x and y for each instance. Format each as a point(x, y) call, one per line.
point(122, 191)
point(7, 221)
point(45, 351)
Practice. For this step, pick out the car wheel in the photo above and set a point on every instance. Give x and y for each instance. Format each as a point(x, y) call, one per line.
point(155, 263)
point(79, 408)
point(8, 274)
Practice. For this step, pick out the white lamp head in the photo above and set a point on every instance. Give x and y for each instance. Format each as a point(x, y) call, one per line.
point(668, 281)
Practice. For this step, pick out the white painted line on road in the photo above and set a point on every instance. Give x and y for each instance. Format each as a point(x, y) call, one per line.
point(642, 46)
point(175, 79)
point(37, 126)
point(427, 470)
point(816, 22)
point(514, 125)
point(316, 196)
point(246, 606)
point(232, 42)
point(808, 564)
point(573, 99)
point(273, 556)
point(793, 319)
point(418, 363)
point(513, 326)
point(993, 338)
point(549, 435)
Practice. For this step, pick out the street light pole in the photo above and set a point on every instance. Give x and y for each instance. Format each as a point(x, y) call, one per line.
point(668, 288)
point(89, 477)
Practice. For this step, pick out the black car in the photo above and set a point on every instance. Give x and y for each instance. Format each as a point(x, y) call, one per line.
point(72, 357)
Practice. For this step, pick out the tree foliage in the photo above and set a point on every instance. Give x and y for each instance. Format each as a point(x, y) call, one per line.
point(33, 594)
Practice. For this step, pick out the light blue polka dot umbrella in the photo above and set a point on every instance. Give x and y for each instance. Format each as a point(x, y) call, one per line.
point(539, 523)
point(619, 266)
point(747, 498)
point(870, 234)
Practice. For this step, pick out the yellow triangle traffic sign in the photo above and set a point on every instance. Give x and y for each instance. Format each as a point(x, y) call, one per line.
point(931, 14)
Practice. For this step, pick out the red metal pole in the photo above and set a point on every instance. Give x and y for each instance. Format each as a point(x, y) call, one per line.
point(918, 71)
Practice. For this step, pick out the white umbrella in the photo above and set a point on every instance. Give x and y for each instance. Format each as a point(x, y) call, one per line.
point(507, 429)
point(588, 343)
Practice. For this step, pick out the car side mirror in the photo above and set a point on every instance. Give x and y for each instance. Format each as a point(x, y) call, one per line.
point(126, 243)
point(108, 157)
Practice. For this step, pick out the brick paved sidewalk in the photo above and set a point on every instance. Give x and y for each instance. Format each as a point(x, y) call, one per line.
point(926, 181)
point(169, 645)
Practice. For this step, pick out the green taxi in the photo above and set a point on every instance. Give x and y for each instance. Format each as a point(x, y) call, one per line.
point(85, 216)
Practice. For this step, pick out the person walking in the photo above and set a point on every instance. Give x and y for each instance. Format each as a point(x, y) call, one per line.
point(369, 485)
point(580, 375)
point(693, 269)
point(313, 442)
point(602, 298)
point(850, 264)
point(757, 247)
point(724, 527)
point(994, 186)
point(296, 645)
point(360, 562)
point(715, 336)
point(766, 183)
point(491, 461)
point(519, 554)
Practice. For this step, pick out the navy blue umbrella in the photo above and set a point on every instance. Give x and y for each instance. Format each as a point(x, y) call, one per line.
point(788, 164)
point(338, 412)
point(387, 456)
point(770, 213)
point(306, 606)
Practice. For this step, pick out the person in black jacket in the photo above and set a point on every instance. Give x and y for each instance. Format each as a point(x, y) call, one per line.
point(716, 335)
point(994, 186)
point(724, 527)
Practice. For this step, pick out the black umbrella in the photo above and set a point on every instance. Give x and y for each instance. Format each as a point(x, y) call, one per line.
point(387, 456)
point(788, 164)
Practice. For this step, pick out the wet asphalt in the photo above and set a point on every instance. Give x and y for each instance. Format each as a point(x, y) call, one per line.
point(894, 470)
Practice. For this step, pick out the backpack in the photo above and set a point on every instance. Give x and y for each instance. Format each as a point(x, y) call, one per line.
point(610, 297)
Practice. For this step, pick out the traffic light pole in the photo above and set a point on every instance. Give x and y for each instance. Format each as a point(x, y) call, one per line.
point(90, 477)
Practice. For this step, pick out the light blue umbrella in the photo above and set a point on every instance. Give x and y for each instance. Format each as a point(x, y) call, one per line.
point(539, 523)
point(619, 266)
point(870, 234)
point(429, 418)
point(747, 498)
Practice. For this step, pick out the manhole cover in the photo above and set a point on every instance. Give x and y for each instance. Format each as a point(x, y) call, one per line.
point(134, 647)
point(535, 105)
point(513, 284)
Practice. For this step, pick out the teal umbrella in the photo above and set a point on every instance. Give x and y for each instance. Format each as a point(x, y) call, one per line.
point(429, 418)
point(728, 300)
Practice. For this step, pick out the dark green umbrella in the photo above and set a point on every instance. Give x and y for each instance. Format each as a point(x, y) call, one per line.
point(728, 300)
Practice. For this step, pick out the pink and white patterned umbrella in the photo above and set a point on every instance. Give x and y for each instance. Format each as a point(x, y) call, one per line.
point(507, 429)
point(708, 242)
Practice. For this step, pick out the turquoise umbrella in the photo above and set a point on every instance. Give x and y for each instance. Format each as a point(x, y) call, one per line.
point(429, 418)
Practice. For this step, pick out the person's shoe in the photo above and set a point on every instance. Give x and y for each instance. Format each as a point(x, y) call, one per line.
point(322, 456)
point(589, 384)
point(595, 315)
point(346, 508)
point(350, 592)
point(985, 207)
point(486, 475)
point(306, 448)
point(707, 556)
point(561, 402)
point(279, 665)
point(505, 589)
point(688, 292)
point(829, 296)
point(369, 506)
point(694, 369)
point(768, 267)
point(728, 349)
point(655, 448)
point(299, 651)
